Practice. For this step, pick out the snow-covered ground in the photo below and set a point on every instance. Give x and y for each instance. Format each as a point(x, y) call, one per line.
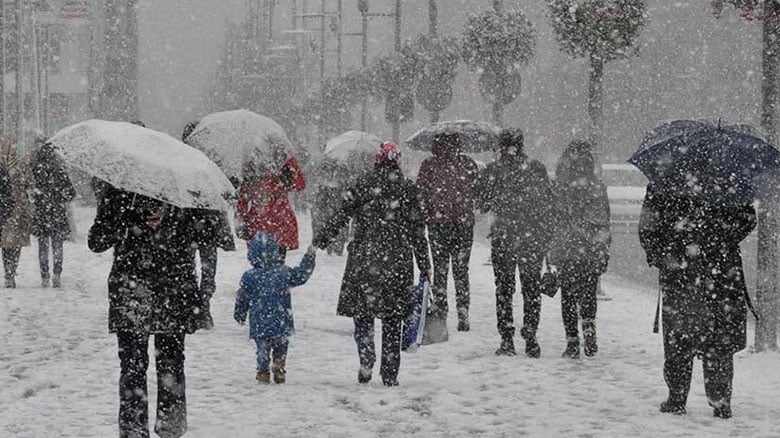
point(59, 369)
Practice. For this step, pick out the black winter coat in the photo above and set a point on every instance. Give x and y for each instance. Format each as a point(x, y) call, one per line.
point(696, 248)
point(518, 192)
point(389, 230)
point(152, 287)
point(582, 231)
point(213, 229)
point(53, 191)
point(6, 195)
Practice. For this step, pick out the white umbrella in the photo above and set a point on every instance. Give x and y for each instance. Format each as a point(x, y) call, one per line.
point(144, 161)
point(475, 137)
point(344, 147)
point(233, 138)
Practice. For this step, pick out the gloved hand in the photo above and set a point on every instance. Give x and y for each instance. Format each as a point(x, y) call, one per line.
point(241, 319)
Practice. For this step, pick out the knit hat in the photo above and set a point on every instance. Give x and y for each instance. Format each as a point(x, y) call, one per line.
point(388, 154)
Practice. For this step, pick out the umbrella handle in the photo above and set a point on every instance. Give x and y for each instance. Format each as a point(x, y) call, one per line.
point(132, 206)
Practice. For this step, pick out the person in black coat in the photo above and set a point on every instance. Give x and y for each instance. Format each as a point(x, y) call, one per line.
point(6, 195)
point(695, 246)
point(53, 191)
point(213, 231)
point(517, 190)
point(153, 290)
point(389, 232)
point(580, 247)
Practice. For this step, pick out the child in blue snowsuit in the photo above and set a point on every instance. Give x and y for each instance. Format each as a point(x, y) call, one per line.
point(265, 295)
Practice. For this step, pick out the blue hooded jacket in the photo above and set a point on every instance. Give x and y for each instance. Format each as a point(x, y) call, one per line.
point(265, 289)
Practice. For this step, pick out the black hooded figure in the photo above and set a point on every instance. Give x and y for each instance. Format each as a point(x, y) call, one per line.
point(695, 246)
point(213, 232)
point(517, 190)
point(378, 280)
point(53, 191)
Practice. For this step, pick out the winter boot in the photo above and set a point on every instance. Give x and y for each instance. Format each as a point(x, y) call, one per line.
point(673, 407)
point(589, 336)
point(280, 374)
point(572, 350)
point(264, 377)
point(45, 281)
point(463, 320)
point(364, 375)
point(722, 412)
point(507, 347)
point(532, 348)
point(55, 281)
point(10, 282)
point(390, 381)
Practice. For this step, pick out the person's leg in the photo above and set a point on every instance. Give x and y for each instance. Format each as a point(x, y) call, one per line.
point(282, 254)
point(530, 278)
point(588, 305)
point(438, 236)
point(57, 257)
point(43, 259)
point(133, 405)
point(391, 351)
point(504, 265)
point(364, 338)
point(461, 255)
point(263, 360)
point(10, 263)
point(171, 400)
point(208, 270)
point(279, 349)
point(569, 294)
point(718, 378)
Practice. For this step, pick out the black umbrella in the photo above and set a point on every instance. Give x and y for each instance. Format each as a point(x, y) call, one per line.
point(711, 161)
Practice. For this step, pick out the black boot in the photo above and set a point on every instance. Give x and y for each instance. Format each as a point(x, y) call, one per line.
point(673, 407)
point(572, 350)
point(463, 320)
point(722, 412)
point(507, 347)
point(532, 348)
point(364, 375)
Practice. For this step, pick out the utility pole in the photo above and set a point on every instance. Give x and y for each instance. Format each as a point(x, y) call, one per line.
point(363, 8)
point(498, 5)
point(322, 42)
point(19, 114)
point(339, 37)
point(3, 125)
point(433, 19)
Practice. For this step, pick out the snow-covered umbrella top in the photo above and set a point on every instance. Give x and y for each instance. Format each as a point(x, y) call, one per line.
point(144, 161)
point(474, 136)
point(235, 138)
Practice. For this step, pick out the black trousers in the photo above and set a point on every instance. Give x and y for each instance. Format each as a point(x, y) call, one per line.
point(171, 402)
point(11, 261)
point(391, 345)
point(507, 258)
point(579, 284)
point(451, 243)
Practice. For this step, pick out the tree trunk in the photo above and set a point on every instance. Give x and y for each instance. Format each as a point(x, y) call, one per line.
point(498, 114)
point(596, 100)
point(766, 289)
point(120, 97)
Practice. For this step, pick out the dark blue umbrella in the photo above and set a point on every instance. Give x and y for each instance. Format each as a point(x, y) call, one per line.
point(714, 162)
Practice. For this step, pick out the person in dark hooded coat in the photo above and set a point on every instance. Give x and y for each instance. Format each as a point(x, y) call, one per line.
point(152, 290)
point(213, 231)
point(53, 191)
point(446, 183)
point(580, 247)
point(389, 232)
point(517, 190)
point(695, 246)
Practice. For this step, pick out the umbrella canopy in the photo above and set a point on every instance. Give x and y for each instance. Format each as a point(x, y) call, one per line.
point(708, 160)
point(475, 137)
point(144, 161)
point(235, 138)
point(354, 151)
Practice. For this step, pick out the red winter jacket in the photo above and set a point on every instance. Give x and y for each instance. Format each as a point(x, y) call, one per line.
point(263, 204)
point(446, 185)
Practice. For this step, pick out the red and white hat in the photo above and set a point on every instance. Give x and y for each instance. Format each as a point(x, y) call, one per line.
point(389, 153)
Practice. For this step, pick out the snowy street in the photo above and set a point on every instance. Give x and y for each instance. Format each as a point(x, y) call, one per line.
point(59, 368)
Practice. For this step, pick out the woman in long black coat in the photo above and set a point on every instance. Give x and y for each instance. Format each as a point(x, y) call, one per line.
point(695, 246)
point(378, 281)
point(53, 191)
point(152, 290)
